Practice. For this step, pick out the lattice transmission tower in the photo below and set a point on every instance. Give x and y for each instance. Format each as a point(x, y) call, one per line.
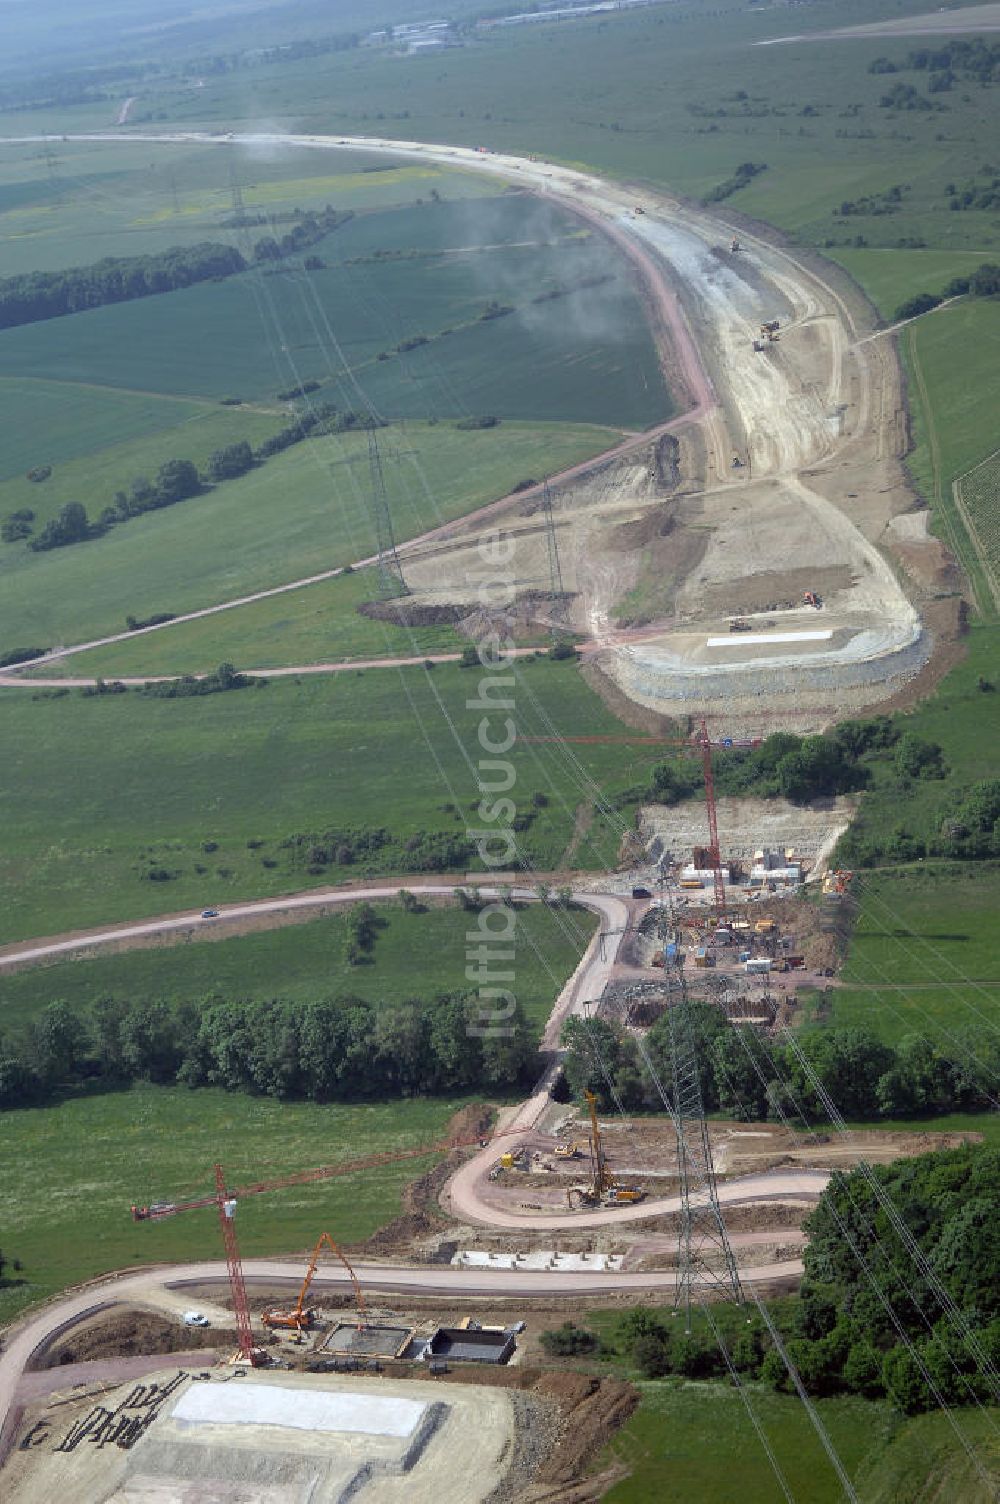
point(555, 569)
point(705, 1259)
point(391, 584)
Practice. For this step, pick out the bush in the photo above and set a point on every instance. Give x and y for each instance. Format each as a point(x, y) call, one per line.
point(568, 1341)
point(21, 655)
point(914, 307)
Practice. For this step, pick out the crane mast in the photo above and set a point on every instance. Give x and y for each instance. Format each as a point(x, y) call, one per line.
point(241, 1308)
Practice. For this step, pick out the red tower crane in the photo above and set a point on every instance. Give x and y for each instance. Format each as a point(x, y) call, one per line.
point(241, 1309)
point(714, 854)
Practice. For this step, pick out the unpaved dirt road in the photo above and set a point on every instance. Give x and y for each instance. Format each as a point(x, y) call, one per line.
point(157, 1287)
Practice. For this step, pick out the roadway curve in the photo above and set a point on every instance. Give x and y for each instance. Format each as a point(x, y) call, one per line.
point(154, 1287)
point(820, 420)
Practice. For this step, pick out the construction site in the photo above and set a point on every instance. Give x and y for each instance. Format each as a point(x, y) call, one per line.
point(759, 559)
point(736, 569)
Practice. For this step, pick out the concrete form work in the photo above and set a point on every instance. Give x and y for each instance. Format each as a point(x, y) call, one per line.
point(370, 1341)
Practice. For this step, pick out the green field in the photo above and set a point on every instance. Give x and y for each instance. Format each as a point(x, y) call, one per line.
point(312, 625)
point(99, 792)
point(979, 497)
point(83, 200)
point(56, 422)
point(695, 1441)
point(72, 1171)
point(962, 717)
point(890, 277)
point(183, 430)
point(302, 512)
point(952, 359)
point(925, 947)
point(415, 955)
point(670, 108)
point(424, 269)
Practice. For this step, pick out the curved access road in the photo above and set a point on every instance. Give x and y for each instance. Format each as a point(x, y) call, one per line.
point(154, 1287)
point(613, 909)
point(157, 1288)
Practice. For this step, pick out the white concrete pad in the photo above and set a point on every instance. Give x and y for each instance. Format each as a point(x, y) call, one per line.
point(764, 641)
point(241, 1404)
point(475, 1258)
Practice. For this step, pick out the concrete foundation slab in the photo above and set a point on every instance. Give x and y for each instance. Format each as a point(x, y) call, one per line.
point(269, 1405)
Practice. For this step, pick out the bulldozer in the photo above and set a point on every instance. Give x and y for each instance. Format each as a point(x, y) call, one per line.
point(602, 1188)
point(569, 1151)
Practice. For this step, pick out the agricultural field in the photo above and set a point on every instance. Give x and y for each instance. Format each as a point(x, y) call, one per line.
point(102, 792)
point(311, 625)
point(73, 202)
point(415, 955)
point(684, 97)
point(426, 271)
point(979, 499)
point(891, 276)
point(924, 956)
point(184, 430)
point(56, 422)
point(695, 1441)
point(72, 1171)
point(304, 511)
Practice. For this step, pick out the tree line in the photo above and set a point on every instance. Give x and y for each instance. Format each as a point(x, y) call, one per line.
point(753, 1082)
point(866, 1320)
point(334, 1049)
point(803, 768)
point(30, 297)
point(180, 480)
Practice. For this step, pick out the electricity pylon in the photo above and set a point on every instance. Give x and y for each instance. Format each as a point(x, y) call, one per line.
point(705, 1259)
point(391, 584)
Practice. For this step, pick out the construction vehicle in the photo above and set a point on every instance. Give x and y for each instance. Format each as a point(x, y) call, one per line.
point(301, 1318)
point(602, 1187)
point(569, 1151)
point(638, 209)
point(514, 1159)
point(734, 245)
point(812, 599)
point(740, 624)
point(770, 327)
point(737, 462)
point(758, 346)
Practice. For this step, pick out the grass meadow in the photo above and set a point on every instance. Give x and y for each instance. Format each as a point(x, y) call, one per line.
point(402, 273)
point(100, 791)
point(952, 360)
point(303, 511)
point(81, 200)
point(696, 1441)
point(72, 1171)
point(312, 625)
point(415, 955)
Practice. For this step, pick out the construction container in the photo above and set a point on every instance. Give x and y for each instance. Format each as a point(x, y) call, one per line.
point(757, 964)
point(703, 957)
point(692, 882)
point(765, 926)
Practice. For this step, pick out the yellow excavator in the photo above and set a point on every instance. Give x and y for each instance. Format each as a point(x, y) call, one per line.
point(301, 1318)
point(602, 1186)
